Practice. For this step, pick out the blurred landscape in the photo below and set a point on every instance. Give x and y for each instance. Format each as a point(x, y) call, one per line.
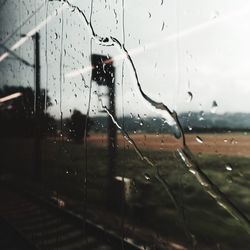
point(75, 166)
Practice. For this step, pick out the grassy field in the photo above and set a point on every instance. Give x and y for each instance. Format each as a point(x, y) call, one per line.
point(147, 204)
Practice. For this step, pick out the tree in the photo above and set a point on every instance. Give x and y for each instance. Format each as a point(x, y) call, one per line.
point(17, 115)
point(78, 125)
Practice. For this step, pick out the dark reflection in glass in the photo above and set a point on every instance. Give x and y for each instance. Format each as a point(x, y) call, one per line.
point(18, 115)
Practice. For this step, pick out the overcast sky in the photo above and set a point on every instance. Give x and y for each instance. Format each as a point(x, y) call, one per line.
point(179, 48)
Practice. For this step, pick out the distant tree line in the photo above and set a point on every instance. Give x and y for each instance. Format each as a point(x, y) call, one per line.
point(194, 123)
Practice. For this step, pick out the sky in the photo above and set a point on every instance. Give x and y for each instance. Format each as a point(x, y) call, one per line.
point(187, 54)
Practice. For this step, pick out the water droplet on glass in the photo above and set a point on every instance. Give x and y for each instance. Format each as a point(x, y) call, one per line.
point(190, 96)
point(176, 132)
point(190, 128)
point(201, 118)
point(147, 176)
point(229, 167)
point(214, 107)
point(199, 139)
point(192, 171)
point(163, 25)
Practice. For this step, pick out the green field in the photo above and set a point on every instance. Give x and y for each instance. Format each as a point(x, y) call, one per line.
point(147, 205)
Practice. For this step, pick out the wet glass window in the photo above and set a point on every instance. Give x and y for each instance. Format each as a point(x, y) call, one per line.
point(124, 124)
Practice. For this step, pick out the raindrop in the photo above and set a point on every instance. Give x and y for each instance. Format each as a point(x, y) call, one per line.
point(140, 120)
point(130, 142)
point(201, 118)
point(190, 96)
point(104, 40)
point(192, 171)
point(163, 26)
point(228, 167)
point(56, 35)
point(149, 15)
point(176, 132)
point(199, 139)
point(147, 176)
point(214, 107)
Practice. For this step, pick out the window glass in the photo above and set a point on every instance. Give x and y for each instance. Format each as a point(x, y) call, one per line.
point(133, 115)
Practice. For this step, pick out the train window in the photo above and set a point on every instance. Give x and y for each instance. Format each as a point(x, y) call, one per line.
point(125, 124)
